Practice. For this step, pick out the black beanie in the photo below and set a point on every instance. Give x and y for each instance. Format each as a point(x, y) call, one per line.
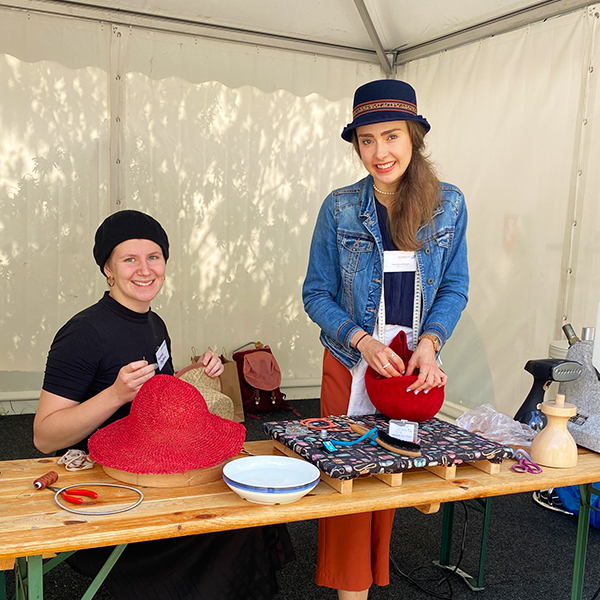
point(127, 225)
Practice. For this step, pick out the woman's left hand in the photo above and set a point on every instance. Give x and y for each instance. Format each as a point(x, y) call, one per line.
point(213, 366)
point(430, 374)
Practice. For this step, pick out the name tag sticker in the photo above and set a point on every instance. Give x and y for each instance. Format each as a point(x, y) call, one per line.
point(399, 261)
point(162, 355)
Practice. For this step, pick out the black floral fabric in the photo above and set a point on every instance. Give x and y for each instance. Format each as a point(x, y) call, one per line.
point(441, 443)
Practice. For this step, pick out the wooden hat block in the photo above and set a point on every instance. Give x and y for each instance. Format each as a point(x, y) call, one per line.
point(189, 478)
point(554, 446)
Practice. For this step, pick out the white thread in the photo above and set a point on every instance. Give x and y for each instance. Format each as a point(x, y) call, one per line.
point(76, 460)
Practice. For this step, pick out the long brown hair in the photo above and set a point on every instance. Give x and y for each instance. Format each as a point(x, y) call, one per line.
point(417, 195)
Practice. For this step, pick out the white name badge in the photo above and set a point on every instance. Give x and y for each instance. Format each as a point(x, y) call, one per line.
point(162, 355)
point(399, 261)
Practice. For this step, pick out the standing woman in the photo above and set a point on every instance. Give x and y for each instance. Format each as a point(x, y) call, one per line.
point(388, 253)
point(97, 363)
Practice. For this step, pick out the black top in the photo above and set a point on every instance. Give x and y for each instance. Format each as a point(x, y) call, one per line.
point(84, 359)
point(90, 349)
point(399, 288)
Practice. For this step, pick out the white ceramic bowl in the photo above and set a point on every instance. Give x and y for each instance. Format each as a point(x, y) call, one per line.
point(270, 479)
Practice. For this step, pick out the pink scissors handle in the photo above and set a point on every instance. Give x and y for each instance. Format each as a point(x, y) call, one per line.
point(525, 464)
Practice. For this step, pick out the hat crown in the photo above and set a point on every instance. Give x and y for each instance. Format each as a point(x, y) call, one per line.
point(382, 101)
point(391, 90)
point(167, 406)
point(389, 395)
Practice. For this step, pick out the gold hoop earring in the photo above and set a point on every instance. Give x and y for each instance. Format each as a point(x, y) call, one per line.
point(110, 281)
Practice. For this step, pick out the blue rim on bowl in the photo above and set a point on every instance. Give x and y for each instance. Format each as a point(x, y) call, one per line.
point(281, 473)
point(270, 490)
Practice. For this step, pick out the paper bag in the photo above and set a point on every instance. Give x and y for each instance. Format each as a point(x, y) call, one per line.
point(231, 387)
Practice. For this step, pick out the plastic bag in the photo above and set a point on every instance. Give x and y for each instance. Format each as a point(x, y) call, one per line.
point(570, 497)
point(486, 421)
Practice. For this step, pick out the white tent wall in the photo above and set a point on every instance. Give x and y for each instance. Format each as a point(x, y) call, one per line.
point(583, 291)
point(507, 115)
point(236, 169)
point(233, 148)
point(54, 185)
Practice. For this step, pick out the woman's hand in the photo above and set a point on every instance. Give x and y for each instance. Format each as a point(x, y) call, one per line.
point(60, 422)
point(130, 379)
point(430, 374)
point(213, 366)
point(381, 357)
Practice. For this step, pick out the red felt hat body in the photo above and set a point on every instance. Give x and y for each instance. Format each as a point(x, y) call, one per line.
point(169, 430)
point(389, 395)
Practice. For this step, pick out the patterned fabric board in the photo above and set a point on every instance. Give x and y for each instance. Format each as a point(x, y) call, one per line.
point(441, 443)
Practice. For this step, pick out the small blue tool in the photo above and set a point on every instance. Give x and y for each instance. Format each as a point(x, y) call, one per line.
point(333, 445)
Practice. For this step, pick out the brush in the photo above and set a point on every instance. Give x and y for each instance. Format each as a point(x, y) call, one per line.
point(390, 443)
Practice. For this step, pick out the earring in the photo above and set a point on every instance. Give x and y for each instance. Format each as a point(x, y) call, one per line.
point(110, 281)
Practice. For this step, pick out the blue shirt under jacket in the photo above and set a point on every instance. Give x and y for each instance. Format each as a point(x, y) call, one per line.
point(342, 288)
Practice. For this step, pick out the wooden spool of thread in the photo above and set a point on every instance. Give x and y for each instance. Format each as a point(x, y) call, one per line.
point(45, 480)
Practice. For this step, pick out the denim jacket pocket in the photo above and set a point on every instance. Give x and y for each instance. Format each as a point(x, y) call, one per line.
point(355, 251)
point(444, 238)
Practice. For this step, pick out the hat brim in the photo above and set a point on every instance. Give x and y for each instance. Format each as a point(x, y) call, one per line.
point(371, 119)
point(114, 446)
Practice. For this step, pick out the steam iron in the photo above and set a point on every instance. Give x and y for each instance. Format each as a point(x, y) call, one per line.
point(585, 394)
point(544, 371)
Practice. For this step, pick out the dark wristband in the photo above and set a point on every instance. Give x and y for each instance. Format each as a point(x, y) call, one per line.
point(360, 339)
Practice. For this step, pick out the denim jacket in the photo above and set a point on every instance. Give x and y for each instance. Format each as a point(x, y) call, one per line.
point(342, 288)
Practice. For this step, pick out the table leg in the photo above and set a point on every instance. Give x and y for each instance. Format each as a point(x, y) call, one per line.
point(31, 587)
point(53, 562)
point(2, 586)
point(447, 527)
point(20, 577)
point(35, 577)
point(487, 505)
point(104, 571)
point(483, 505)
point(583, 528)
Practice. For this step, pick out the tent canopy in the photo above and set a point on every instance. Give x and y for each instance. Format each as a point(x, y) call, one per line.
point(223, 120)
point(385, 31)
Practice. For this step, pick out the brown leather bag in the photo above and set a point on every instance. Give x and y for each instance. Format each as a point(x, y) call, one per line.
point(260, 377)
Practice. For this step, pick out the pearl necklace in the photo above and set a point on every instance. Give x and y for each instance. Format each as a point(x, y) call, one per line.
point(382, 192)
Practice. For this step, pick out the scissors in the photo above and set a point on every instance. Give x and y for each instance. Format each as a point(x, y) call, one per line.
point(525, 464)
point(73, 499)
point(320, 424)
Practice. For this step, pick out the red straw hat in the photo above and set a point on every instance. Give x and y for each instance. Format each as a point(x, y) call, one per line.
point(389, 395)
point(169, 430)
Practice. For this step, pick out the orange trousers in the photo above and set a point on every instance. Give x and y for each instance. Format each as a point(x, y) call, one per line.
point(354, 550)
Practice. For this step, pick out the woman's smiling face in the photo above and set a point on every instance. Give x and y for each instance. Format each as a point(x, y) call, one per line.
point(385, 150)
point(138, 269)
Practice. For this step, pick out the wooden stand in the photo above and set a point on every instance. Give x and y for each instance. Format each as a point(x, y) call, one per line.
point(554, 446)
point(195, 477)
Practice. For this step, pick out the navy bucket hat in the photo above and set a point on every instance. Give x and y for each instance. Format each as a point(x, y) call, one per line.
point(383, 100)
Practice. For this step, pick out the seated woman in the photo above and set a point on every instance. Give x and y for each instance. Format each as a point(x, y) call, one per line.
point(97, 363)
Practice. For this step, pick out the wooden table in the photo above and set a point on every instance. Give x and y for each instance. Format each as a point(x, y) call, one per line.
point(32, 525)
